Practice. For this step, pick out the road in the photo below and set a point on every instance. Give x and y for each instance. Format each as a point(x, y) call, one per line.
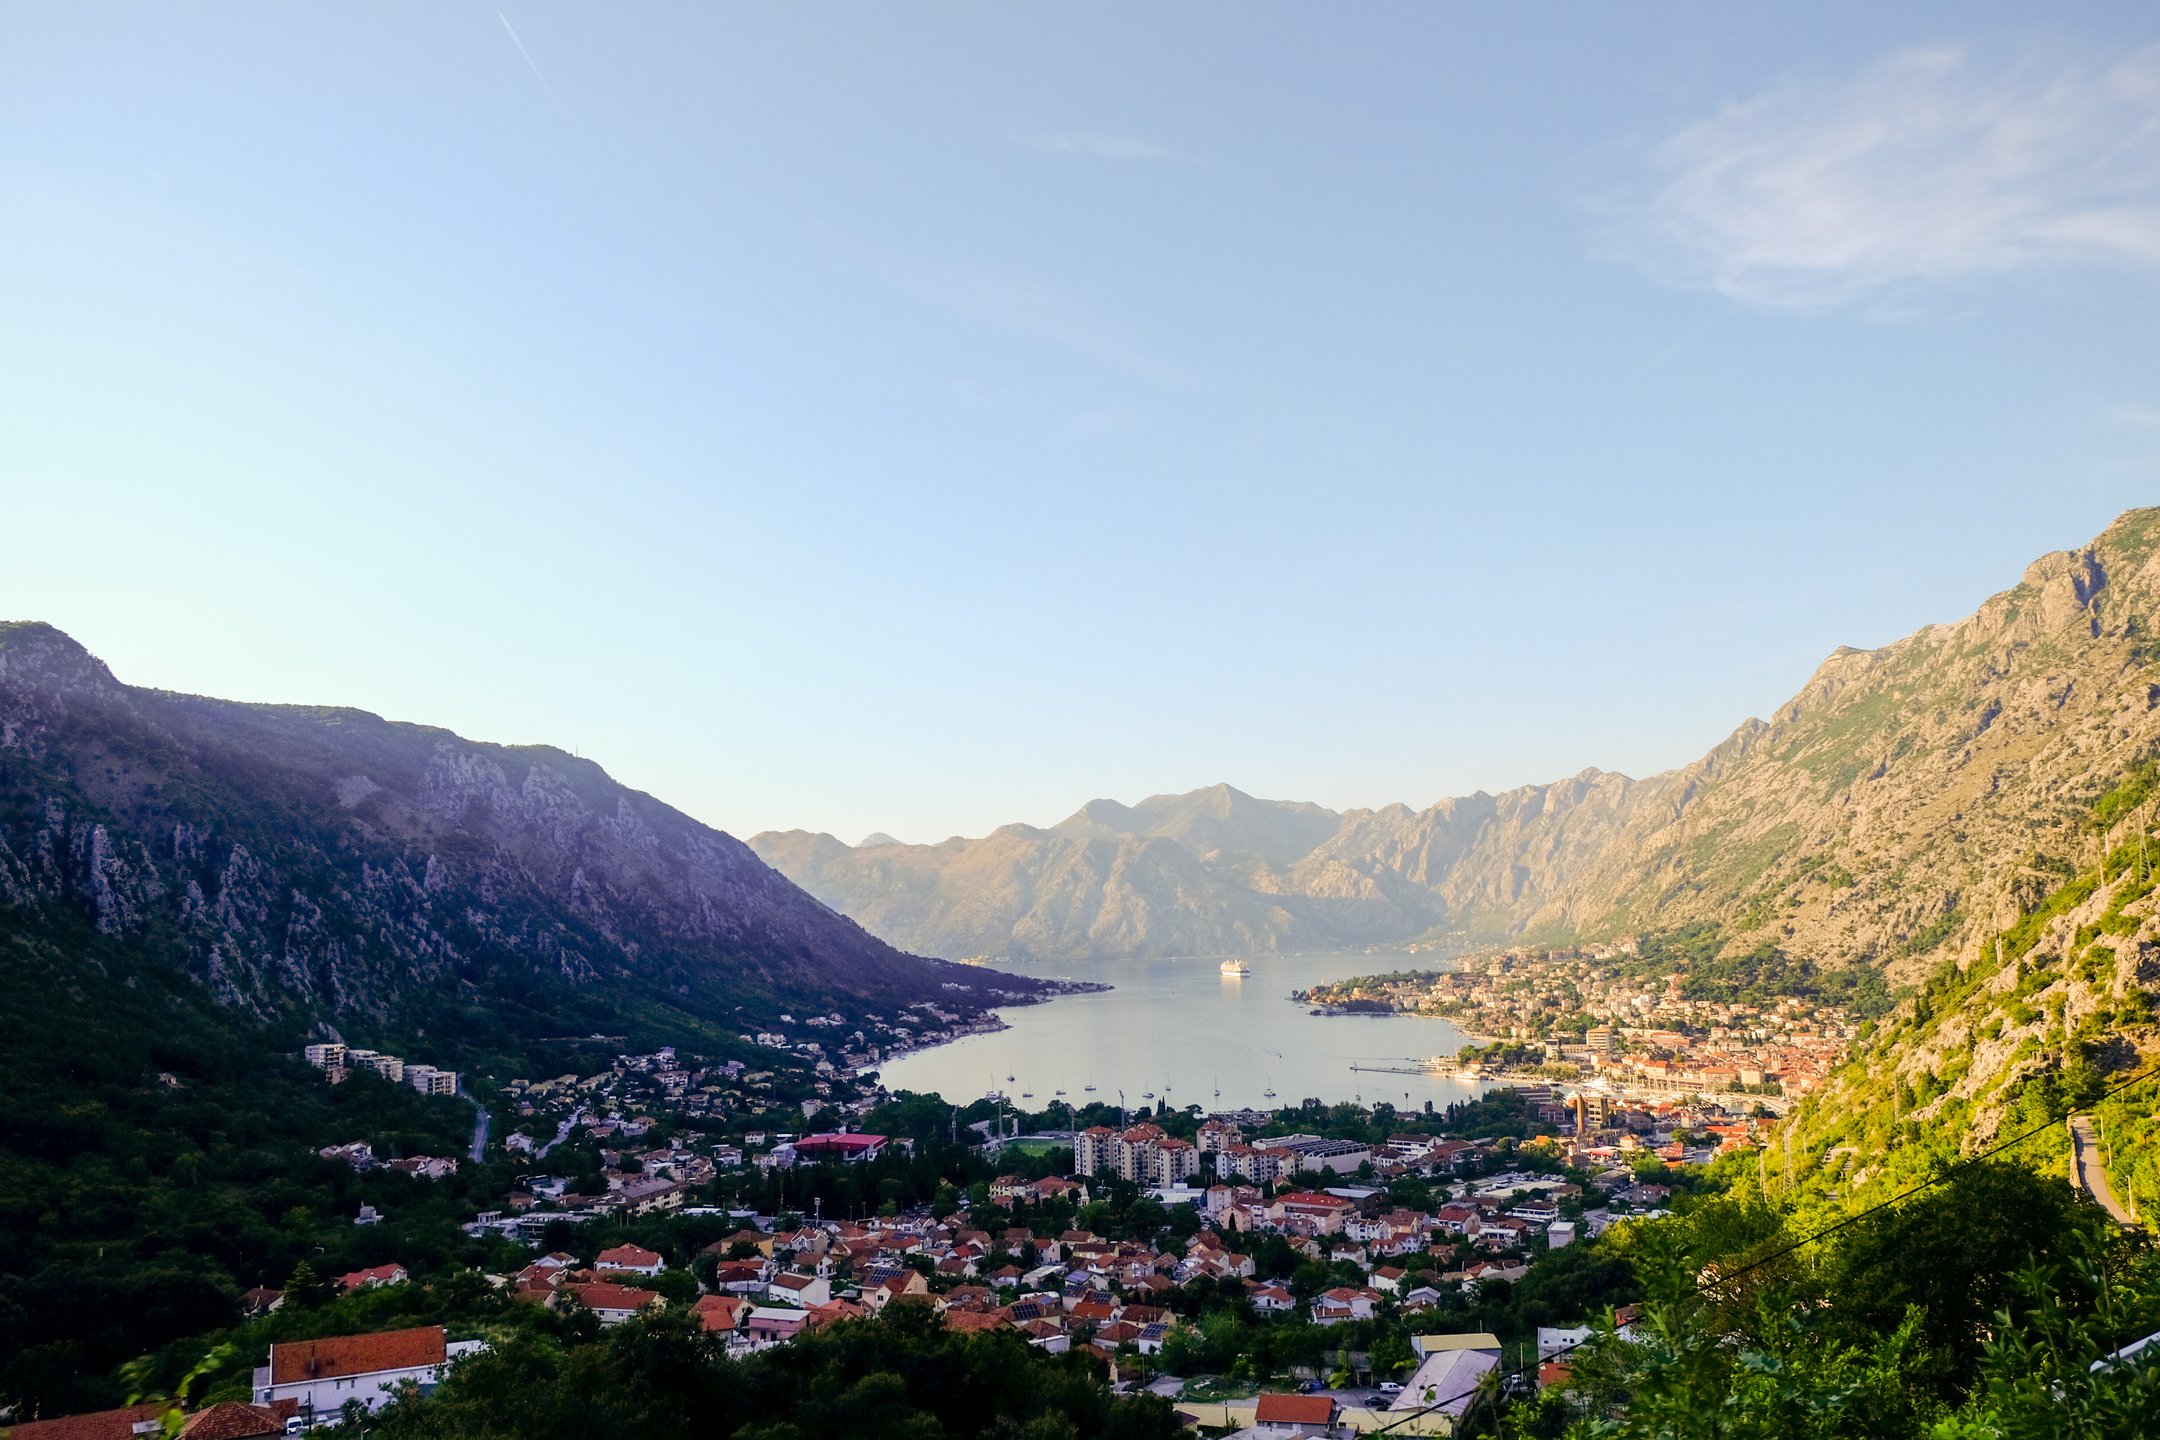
point(479, 1129)
point(562, 1133)
point(2090, 1174)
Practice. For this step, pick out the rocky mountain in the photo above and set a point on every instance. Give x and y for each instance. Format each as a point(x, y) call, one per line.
point(1890, 812)
point(1217, 871)
point(316, 864)
point(1913, 798)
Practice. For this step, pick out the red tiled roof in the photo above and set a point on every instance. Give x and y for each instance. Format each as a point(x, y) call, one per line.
point(719, 1312)
point(831, 1310)
point(231, 1420)
point(849, 1144)
point(343, 1355)
point(1295, 1410)
point(374, 1275)
point(628, 1256)
point(95, 1425)
point(600, 1295)
point(971, 1320)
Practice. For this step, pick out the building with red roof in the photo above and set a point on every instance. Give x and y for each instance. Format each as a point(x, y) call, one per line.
point(226, 1420)
point(374, 1276)
point(848, 1148)
point(320, 1376)
point(612, 1303)
point(720, 1314)
point(632, 1259)
point(1287, 1415)
point(231, 1420)
point(94, 1425)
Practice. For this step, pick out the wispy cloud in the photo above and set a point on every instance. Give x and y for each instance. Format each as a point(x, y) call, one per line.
point(1092, 145)
point(1931, 166)
point(2142, 417)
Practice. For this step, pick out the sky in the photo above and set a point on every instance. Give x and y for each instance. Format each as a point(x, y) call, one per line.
point(922, 418)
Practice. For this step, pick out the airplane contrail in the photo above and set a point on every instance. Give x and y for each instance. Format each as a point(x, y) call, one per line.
point(553, 98)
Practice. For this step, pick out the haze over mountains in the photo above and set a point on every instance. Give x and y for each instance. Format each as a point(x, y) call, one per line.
point(1890, 810)
point(318, 864)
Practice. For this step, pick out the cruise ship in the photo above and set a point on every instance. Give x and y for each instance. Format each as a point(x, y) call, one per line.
point(1236, 967)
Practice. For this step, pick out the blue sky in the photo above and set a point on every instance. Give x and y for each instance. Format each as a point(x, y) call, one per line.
point(920, 418)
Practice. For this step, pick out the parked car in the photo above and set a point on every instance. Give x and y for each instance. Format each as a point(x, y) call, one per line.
point(1389, 1387)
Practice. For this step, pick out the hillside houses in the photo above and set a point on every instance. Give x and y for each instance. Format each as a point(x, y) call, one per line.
point(338, 1061)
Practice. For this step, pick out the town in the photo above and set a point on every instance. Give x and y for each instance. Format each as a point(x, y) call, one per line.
point(1583, 1015)
point(1318, 1268)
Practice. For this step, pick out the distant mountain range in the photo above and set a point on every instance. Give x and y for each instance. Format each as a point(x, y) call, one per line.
point(1890, 811)
point(314, 865)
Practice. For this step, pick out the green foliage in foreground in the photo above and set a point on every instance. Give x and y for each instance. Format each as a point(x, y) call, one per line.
point(1972, 1312)
point(899, 1377)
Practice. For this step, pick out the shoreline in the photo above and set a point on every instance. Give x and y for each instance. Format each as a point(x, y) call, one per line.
point(991, 1022)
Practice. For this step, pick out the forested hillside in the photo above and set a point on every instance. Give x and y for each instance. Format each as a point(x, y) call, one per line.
point(191, 888)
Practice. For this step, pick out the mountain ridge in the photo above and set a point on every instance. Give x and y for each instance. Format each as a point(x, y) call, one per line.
point(1788, 827)
point(326, 866)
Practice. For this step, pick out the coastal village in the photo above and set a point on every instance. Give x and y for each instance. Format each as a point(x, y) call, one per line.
point(1577, 1015)
point(775, 1278)
point(1259, 1197)
point(1403, 1235)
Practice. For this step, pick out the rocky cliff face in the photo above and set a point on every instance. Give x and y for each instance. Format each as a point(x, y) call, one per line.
point(326, 863)
point(1896, 807)
point(1888, 813)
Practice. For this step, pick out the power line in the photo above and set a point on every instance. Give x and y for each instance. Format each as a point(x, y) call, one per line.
point(1944, 1174)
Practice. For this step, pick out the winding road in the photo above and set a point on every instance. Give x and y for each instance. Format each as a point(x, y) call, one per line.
point(2090, 1174)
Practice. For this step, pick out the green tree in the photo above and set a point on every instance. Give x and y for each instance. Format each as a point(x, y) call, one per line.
point(1950, 1255)
point(307, 1290)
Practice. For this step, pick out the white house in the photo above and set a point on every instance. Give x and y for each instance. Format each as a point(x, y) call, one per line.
point(801, 1289)
point(1342, 1303)
point(322, 1375)
point(613, 1303)
point(1554, 1341)
point(631, 1260)
point(1283, 1417)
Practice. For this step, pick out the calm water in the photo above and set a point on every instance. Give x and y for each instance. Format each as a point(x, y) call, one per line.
point(1184, 1030)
